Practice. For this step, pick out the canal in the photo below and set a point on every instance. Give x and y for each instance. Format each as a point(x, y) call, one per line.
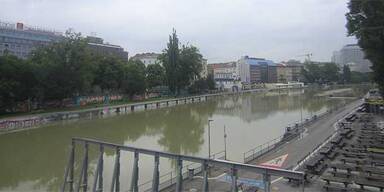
point(34, 160)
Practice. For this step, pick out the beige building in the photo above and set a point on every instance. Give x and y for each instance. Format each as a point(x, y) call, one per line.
point(148, 58)
point(289, 71)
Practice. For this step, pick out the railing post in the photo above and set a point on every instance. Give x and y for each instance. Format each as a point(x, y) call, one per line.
point(179, 176)
point(85, 182)
point(205, 175)
point(69, 169)
point(267, 182)
point(135, 173)
point(83, 179)
point(155, 182)
point(234, 179)
point(99, 172)
point(115, 185)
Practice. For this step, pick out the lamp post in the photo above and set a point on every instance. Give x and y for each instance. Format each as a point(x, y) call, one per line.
point(225, 144)
point(209, 138)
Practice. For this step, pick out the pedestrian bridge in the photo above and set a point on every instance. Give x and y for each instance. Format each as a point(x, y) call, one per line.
point(82, 183)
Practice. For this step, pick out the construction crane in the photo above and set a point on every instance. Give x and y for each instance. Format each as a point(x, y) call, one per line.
point(308, 56)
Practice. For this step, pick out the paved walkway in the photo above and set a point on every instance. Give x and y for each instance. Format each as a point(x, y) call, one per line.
point(296, 150)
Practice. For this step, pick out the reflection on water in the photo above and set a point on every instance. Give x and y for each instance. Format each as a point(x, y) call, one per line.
point(35, 159)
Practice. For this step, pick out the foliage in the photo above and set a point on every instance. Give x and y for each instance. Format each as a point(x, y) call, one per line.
point(109, 73)
point(346, 74)
point(190, 65)
point(358, 77)
point(182, 66)
point(134, 78)
point(320, 73)
point(211, 82)
point(365, 21)
point(16, 81)
point(63, 69)
point(155, 75)
point(170, 59)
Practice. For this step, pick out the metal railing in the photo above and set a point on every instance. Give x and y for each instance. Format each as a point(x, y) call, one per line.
point(81, 183)
point(168, 179)
point(297, 127)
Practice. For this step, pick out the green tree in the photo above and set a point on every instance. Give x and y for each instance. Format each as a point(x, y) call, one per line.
point(211, 82)
point(17, 81)
point(170, 59)
point(346, 74)
point(155, 75)
point(190, 65)
point(329, 72)
point(320, 73)
point(182, 66)
point(134, 78)
point(365, 21)
point(311, 72)
point(109, 73)
point(63, 69)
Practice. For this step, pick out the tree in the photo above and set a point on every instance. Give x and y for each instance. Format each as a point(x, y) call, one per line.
point(311, 72)
point(346, 74)
point(211, 82)
point(365, 21)
point(109, 73)
point(16, 81)
point(182, 66)
point(190, 65)
point(134, 78)
point(320, 73)
point(170, 59)
point(329, 72)
point(63, 69)
point(155, 75)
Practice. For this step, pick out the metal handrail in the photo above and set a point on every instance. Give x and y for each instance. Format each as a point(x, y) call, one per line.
point(115, 185)
point(146, 186)
point(259, 150)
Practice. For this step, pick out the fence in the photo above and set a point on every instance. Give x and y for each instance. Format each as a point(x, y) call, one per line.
point(168, 179)
point(264, 148)
point(79, 182)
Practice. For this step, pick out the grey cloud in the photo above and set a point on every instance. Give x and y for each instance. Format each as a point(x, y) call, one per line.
point(222, 29)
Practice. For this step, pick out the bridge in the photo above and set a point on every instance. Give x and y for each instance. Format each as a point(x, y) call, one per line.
point(71, 183)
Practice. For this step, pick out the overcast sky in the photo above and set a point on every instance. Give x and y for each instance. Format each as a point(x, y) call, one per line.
point(223, 30)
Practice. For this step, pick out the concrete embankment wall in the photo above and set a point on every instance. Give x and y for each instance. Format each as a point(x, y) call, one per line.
point(33, 121)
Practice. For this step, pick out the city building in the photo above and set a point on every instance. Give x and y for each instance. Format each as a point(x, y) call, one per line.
point(256, 70)
point(97, 45)
point(353, 56)
point(282, 73)
point(293, 70)
point(147, 58)
point(224, 74)
point(20, 40)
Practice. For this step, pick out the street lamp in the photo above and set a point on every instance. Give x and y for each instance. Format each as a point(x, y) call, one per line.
point(209, 138)
point(225, 144)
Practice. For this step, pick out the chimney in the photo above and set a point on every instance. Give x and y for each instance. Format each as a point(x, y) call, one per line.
point(19, 26)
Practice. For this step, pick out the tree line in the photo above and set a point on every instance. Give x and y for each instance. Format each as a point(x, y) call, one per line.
point(68, 68)
point(330, 73)
point(365, 21)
